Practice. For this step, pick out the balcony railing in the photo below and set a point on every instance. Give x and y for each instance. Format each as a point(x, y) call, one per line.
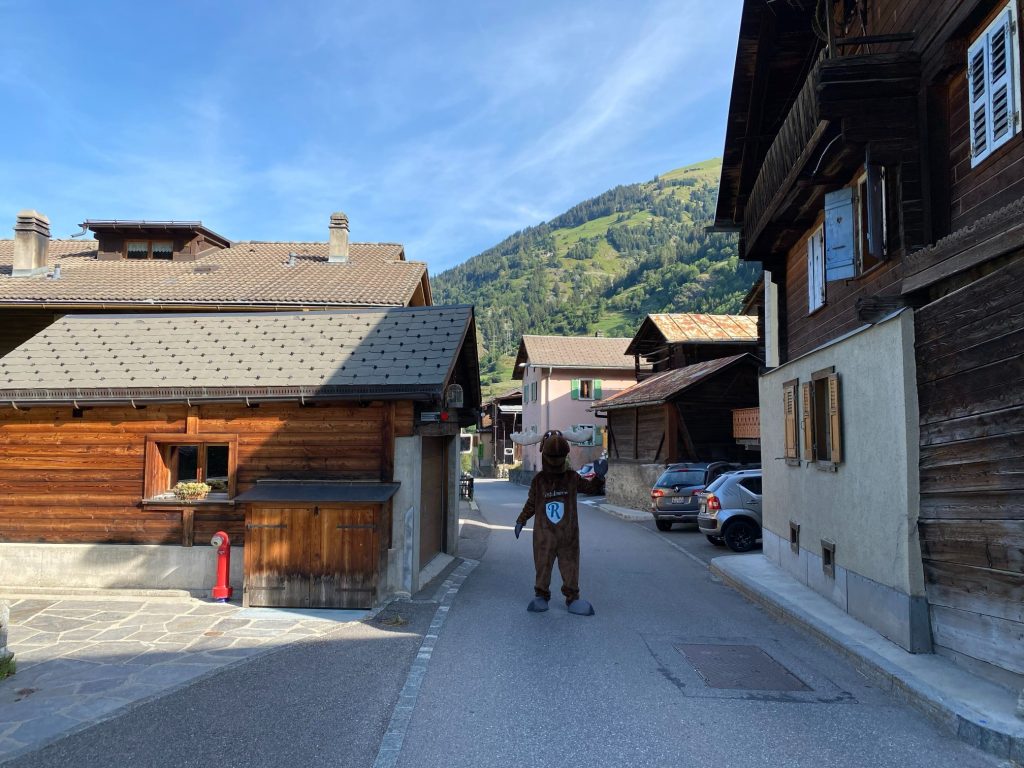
point(871, 96)
point(746, 424)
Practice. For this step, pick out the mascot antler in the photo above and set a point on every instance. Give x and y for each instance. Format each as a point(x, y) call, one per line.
point(584, 435)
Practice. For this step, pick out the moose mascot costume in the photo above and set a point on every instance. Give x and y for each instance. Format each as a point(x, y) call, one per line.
point(556, 527)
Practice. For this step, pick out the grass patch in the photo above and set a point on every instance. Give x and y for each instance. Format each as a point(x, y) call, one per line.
point(7, 666)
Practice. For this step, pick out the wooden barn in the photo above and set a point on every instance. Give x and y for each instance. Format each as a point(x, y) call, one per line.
point(327, 440)
point(874, 165)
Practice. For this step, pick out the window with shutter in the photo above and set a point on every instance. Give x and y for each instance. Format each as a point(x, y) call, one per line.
point(825, 418)
point(807, 419)
point(840, 235)
point(789, 415)
point(815, 271)
point(993, 80)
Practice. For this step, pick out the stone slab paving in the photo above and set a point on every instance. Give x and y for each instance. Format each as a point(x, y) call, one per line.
point(81, 658)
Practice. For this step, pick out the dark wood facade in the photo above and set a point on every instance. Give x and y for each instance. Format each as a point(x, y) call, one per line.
point(92, 476)
point(888, 87)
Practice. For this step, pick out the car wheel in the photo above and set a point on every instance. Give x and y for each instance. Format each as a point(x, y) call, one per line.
point(663, 525)
point(716, 540)
point(742, 535)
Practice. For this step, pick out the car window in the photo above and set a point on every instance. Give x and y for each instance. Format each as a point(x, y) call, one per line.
point(717, 483)
point(752, 484)
point(681, 477)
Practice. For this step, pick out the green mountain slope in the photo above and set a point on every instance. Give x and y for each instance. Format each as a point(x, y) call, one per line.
point(602, 266)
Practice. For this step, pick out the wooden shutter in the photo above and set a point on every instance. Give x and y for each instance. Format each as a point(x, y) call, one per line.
point(598, 436)
point(815, 272)
point(840, 235)
point(789, 411)
point(835, 419)
point(597, 389)
point(1001, 86)
point(575, 389)
point(876, 204)
point(977, 81)
point(807, 417)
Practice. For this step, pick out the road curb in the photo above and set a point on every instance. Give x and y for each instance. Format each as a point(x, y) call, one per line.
point(1002, 739)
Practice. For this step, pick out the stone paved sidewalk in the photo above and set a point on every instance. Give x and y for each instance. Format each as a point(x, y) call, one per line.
point(80, 659)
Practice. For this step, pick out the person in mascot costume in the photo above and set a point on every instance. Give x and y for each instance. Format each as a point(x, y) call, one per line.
point(556, 527)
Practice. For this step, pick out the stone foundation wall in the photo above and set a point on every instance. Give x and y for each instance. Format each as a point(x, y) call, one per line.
point(629, 485)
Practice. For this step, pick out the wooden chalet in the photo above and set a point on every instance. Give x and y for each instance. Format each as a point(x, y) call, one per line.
point(683, 414)
point(328, 439)
point(670, 341)
point(500, 417)
point(874, 164)
point(183, 266)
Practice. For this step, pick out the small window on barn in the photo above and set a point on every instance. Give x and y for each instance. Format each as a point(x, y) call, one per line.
point(173, 461)
point(993, 83)
point(594, 436)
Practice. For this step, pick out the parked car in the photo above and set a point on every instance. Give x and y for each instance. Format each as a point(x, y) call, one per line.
point(730, 510)
point(674, 495)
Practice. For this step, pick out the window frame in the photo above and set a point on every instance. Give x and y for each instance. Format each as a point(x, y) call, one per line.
point(589, 384)
point(149, 248)
point(982, 43)
point(593, 436)
point(822, 419)
point(156, 481)
point(816, 236)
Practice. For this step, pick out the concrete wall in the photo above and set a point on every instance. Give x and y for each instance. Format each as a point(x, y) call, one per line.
point(629, 485)
point(114, 566)
point(869, 506)
point(555, 408)
point(404, 555)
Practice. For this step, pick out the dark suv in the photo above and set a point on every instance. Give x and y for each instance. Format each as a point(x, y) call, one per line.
point(674, 495)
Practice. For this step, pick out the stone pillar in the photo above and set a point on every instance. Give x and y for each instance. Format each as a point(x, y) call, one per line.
point(6, 657)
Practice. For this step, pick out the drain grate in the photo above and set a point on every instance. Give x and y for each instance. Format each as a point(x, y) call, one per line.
point(744, 667)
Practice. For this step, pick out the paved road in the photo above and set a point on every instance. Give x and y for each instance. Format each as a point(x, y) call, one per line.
point(510, 688)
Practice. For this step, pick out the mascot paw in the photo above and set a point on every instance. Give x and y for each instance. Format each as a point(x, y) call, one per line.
point(519, 529)
point(581, 607)
point(537, 605)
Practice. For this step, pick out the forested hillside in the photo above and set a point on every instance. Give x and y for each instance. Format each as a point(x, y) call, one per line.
point(602, 266)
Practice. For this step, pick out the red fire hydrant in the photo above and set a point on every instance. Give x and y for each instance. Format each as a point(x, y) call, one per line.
point(222, 590)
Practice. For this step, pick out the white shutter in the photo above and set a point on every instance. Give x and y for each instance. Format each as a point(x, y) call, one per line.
point(815, 271)
point(993, 77)
point(977, 82)
point(1000, 70)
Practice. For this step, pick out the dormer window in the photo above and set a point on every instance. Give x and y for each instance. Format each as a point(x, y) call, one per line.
point(149, 249)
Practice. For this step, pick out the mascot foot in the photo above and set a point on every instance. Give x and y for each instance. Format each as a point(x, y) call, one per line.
point(537, 605)
point(581, 607)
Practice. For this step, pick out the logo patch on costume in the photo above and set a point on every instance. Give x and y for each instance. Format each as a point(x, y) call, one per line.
point(555, 511)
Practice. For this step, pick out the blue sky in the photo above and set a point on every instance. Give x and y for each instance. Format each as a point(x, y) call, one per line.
point(445, 126)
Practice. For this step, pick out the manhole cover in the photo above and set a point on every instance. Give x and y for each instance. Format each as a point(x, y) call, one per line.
point(744, 667)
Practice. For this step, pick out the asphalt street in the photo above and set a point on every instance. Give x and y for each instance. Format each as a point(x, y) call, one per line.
point(504, 687)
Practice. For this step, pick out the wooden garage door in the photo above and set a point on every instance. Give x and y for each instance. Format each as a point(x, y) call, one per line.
point(970, 370)
point(433, 496)
point(311, 556)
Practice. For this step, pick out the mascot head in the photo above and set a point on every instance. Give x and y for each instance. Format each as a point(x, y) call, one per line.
point(554, 446)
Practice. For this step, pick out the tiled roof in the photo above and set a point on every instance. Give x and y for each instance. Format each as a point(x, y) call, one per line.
point(573, 352)
point(233, 355)
point(688, 328)
point(663, 386)
point(248, 273)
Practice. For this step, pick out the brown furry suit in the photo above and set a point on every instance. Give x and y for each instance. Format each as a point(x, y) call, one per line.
point(559, 540)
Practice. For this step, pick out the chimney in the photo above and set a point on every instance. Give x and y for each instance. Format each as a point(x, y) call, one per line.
point(337, 251)
point(31, 241)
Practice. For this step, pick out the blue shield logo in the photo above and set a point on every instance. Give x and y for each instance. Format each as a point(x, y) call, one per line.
point(555, 511)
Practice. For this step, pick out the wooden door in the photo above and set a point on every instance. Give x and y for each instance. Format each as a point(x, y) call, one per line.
point(277, 556)
point(345, 555)
point(312, 556)
point(433, 497)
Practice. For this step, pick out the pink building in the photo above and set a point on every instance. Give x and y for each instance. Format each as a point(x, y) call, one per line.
point(562, 377)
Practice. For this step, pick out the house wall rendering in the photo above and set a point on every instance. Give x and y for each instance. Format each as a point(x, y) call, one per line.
point(865, 505)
